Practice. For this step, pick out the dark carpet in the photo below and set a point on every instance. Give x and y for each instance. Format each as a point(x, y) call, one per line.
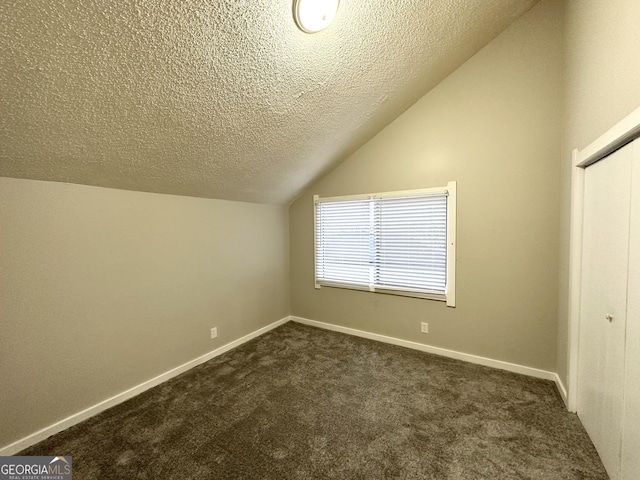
point(303, 403)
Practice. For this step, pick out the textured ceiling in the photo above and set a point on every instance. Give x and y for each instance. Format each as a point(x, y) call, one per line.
point(217, 98)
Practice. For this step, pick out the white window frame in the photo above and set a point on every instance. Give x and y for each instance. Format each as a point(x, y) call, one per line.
point(450, 190)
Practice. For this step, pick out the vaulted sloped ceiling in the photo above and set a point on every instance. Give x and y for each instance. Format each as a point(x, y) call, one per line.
point(217, 98)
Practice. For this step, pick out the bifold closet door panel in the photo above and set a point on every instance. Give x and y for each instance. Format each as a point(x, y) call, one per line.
point(631, 421)
point(607, 193)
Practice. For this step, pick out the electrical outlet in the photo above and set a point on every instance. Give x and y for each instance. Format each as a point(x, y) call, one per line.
point(424, 327)
point(214, 332)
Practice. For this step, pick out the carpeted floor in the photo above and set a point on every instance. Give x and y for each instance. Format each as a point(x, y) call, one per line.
point(304, 403)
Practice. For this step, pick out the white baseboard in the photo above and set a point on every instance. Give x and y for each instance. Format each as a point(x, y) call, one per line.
point(487, 362)
point(132, 392)
point(562, 390)
point(78, 417)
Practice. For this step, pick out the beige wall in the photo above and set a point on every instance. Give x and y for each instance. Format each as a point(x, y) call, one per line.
point(103, 289)
point(494, 126)
point(602, 85)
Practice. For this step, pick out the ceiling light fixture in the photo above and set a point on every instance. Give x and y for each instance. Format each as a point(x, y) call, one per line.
point(311, 16)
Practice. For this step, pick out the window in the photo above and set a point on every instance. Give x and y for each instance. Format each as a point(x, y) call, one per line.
point(395, 242)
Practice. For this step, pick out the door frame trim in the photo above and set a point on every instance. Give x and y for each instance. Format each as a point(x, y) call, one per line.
point(621, 134)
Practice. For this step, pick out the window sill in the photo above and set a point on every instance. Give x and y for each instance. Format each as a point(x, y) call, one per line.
point(440, 297)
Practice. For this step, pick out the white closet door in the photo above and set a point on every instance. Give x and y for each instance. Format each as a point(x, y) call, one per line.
point(604, 294)
point(631, 419)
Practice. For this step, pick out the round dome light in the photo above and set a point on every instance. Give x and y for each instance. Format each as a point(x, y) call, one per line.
point(314, 15)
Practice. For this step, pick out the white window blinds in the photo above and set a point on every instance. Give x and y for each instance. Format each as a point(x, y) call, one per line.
point(343, 252)
point(399, 242)
point(411, 243)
